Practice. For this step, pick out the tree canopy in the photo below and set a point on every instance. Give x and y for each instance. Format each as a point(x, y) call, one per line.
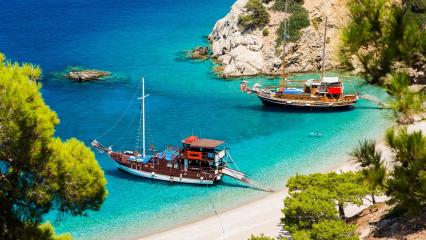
point(333, 230)
point(343, 188)
point(38, 171)
point(310, 209)
point(381, 33)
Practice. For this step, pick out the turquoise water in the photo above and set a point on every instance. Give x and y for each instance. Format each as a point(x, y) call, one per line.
point(146, 38)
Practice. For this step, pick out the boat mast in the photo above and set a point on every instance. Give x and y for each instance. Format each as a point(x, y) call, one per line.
point(143, 118)
point(285, 41)
point(323, 49)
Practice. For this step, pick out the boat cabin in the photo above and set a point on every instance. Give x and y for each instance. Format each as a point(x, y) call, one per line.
point(202, 153)
point(327, 87)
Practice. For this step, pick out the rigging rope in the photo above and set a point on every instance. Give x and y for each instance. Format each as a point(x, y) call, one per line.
point(121, 117)
point(230, 157)
point(129, 125)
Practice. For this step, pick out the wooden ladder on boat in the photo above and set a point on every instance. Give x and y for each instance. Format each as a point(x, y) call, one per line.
point(243, 178)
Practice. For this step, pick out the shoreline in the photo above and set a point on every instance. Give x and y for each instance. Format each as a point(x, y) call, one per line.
point(238, 223)
point(223, 225)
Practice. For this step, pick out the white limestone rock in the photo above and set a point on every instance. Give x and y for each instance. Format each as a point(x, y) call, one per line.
point(244, 52)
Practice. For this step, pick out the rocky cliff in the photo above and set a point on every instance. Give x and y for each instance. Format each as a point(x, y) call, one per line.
point(245, 53)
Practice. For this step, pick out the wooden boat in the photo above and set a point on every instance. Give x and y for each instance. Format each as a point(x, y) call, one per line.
point(197, 161)
point(326, 93)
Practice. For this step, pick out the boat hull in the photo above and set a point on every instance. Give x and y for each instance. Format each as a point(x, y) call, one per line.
point(289, 104)
point(161, 177)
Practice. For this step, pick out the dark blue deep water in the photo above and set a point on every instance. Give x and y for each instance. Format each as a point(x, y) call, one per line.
point(146, 38)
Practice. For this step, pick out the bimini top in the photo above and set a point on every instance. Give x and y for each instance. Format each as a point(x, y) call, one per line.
point(206, 143)
point(330, 79)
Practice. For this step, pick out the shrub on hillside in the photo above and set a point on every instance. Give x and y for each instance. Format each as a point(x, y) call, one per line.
point(265, 32)
point(296, 22)
point(256, 17)
point(292, 5)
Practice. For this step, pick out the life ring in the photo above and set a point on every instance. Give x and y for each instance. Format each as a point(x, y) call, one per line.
point(210, 176)
point(185, 173)
point(194, 155)
point(198, 175)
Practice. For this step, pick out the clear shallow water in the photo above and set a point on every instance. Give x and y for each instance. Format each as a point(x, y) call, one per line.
point(135, 38)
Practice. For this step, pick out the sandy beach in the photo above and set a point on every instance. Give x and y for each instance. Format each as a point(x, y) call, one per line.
point(261, 216)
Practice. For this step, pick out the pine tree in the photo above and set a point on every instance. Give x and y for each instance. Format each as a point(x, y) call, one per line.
point(344, 188)
point(407, 182)
point(38, 171)
point(256, 17)
point(310, 209)
point(373, 168)
point(381, 33)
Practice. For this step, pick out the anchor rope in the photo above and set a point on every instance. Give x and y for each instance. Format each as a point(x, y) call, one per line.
point(217, 215)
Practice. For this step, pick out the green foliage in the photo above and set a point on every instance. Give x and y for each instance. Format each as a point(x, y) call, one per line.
point(261, 237)
point(39, 172)
point(292, 5)
point(418, 6)
point(316, 22)
point(407, 183)
point(310, 209)
point(343, 188)
point(304, 208)
point(366, 155)
point(298, 20)
point(374, 170)
point(333, 230)
point(380, 34)
point(46, 232)
point(78, 181)
point(257, 16)
point(265, 32)
point(313, 198)
point(405, 101)
point(301, 235)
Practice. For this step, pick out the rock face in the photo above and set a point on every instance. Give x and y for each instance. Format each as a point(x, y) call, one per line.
point(86, 75)
point(245, 53)
point(374, 223)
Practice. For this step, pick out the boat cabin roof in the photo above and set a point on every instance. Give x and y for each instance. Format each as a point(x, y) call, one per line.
point(206, 143)
point(330, 79)
point(312, 82)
